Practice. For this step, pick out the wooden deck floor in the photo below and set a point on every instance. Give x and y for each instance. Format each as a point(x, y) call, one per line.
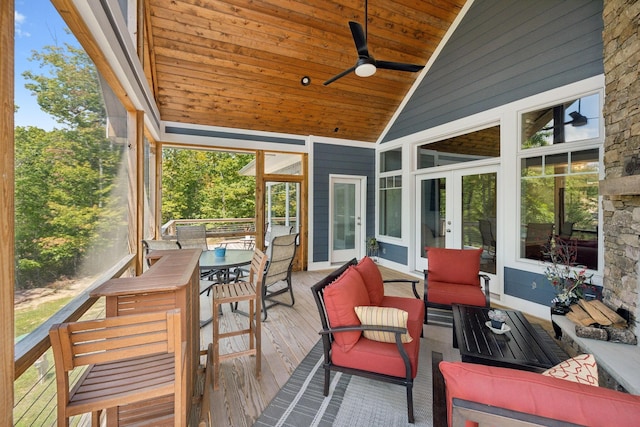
point(287, 336)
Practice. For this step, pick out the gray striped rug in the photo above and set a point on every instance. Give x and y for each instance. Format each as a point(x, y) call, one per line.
point(356, 401)
point(300, 401)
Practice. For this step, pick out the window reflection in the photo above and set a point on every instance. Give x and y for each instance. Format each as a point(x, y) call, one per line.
point(559, 197)
point(471, 146)
point(575, 120)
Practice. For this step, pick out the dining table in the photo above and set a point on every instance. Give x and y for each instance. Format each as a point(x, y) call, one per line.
point(220, 268)
point(232, 258)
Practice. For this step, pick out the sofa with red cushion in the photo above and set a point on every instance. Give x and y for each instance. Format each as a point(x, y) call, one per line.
point(486, 395)
point(366, 332)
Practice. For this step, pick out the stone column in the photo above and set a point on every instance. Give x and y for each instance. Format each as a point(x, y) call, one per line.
point(621, 222)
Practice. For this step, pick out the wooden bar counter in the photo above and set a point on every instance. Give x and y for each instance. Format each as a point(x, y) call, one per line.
point(172, 281)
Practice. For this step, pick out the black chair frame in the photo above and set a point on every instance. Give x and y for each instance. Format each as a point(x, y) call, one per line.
point(327, 340)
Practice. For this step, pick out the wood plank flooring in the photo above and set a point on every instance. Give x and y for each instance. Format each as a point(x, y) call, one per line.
point(287, 336)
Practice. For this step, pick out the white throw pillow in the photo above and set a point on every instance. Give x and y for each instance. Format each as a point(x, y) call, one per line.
point(580, 369)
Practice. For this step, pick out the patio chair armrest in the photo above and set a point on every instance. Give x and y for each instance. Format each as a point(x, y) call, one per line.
point(414, 283)
point(378, 328)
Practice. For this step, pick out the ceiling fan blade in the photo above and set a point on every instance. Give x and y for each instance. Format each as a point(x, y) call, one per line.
point(399, 66)
point(338, 76)
point(359, 38)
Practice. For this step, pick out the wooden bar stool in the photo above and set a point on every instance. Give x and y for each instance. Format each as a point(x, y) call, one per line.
point(128, 359)
point(232, 293)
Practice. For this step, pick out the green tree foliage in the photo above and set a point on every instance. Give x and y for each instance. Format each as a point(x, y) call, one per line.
point(68, 87)
point(280, 194)
point(206, 184)
point(69, 184)
point(64, 177)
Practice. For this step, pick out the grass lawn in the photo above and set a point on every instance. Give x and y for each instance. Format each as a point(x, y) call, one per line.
point(27, 319)
point(34, 391)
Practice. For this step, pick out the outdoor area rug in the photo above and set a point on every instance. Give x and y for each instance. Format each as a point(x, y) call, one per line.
point(356, 401)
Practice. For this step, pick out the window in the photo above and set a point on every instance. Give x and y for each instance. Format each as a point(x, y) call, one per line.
point(390, 196)
point(574, 120)
point(72, 193)
point(391, 206)
point(391, 160)
point(481, 144)
point(72, 177)
point(559, 197)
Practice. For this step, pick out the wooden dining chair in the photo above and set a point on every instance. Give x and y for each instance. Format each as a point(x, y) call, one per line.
point(232, 293)
point(126, 360)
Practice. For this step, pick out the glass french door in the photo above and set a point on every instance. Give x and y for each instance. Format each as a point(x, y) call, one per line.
point(282, 202)
point(457, 209)
point(346, 218)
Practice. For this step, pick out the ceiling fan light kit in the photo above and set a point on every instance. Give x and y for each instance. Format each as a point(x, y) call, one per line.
point(366, 67)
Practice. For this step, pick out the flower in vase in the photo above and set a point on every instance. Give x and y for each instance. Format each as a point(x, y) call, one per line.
point(567, 278)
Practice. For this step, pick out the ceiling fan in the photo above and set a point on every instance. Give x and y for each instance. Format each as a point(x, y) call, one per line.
point(366, 65)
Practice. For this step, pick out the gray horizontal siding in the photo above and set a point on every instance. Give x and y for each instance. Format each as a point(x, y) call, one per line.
point(336, 159)
point(528, 286)
point(503, 51)
point(231, 135)
point(395, 253)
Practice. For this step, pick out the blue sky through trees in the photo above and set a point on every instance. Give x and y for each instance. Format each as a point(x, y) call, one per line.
point(37, 24)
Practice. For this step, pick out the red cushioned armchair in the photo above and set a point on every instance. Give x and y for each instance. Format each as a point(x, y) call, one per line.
point(354, 347)
point(453, 277)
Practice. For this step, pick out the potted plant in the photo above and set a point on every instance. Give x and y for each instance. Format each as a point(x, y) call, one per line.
point(567, 278)
point(372, 247)
point(497, 317)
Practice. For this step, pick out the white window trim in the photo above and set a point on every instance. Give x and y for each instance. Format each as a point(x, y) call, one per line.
point(574, 146)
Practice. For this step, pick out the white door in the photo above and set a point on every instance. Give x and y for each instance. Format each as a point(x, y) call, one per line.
point(346, 220)
point(457, 209)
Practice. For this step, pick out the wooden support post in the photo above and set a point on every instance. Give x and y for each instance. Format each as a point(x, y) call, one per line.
point(7, 206)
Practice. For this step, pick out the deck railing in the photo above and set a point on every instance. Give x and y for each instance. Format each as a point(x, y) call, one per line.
point(222, 227)
point(216, 227)
point(34, 383)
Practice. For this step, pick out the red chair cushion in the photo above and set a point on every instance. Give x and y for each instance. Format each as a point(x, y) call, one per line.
point(449, 293)
point(372, 279)
point(383, 358)
point(537, 394)
point(340, 298)
point(459, 266)
point(413, 306)
point(379, 357)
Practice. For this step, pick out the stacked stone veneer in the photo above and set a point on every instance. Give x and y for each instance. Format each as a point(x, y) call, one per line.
point(621, 222)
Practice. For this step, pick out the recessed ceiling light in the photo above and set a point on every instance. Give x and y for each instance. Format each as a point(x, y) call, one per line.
point(305, 81)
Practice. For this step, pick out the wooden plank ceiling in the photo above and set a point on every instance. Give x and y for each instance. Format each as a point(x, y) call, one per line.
point(239, 63)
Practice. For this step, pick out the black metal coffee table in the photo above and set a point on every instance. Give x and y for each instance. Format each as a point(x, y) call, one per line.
point(521, 348)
